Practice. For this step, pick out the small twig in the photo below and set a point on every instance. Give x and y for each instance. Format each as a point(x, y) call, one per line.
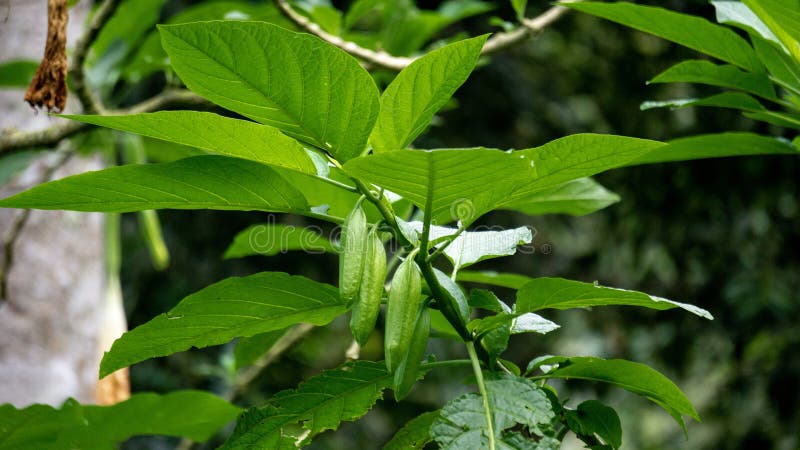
point(530, 27)
point(90, 104)
point(19, 224)
point(17, 141)
point(377, 58)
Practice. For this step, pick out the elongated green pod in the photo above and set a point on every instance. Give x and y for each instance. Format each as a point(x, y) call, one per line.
point(401, 311)
point(368, 305)
point(351, 257)
point(407, 372)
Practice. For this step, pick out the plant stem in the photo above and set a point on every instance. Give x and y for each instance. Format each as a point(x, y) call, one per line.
point(442, 364)
point(476, 367)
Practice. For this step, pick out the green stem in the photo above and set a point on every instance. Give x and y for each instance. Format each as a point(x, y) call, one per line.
point(339, 184)
point(442, 364)
point(476, 367)
point(448, 240)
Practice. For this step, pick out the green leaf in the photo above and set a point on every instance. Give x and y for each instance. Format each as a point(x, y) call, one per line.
point(506, 280)
point(269, 239)
point(776, 118)
point(577, 156)
point(593, 417)
point(131, 21)
point(449, 184)
point(475, 246)
point(357, 10)
point(249, 349)
point(689, 31)
point(471, 247)
point(558, 293)
point(194, 415)
point(736, 13)
point(734, 100)
point(319, 404)
point(420, 90)
point(512, 401)
point(295, 82)
point(706, 72)
point(784, 69)
point(575, 198)
point(17, 74)
point(634, 377)
point(783, 18)
point(486, 299)
point(717, 146)
point(519, 8)
point(407, 28)
point(213, 133)
point(202, 182)
point(235, 307)
point(415, 434)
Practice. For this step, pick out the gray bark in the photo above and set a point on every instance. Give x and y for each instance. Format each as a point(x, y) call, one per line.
point(49, 328)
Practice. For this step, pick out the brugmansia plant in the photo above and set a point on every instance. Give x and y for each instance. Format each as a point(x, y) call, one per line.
point(323, 142)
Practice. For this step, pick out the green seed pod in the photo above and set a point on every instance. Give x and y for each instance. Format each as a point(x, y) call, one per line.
point(368, 305)
point(351, 257)
point(407, 372)
point(401, 311)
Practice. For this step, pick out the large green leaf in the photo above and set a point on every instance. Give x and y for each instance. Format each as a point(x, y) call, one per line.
point(577, 156)
point(201, 182)
point(448, 184)
point(195, 415)
point(706, 72)
point(716, 146)
point(213, 133)
point(576, 198)
point(512, 401)
point(558, 293)
point(783, 18)
point(415, 434)
point(634, 377)
point(420, 90)
point(737, 14)
point(690, 31)
point(783, 68)
point(309, 89)
point(321, 403)
point(235, 307)
point(269, 239)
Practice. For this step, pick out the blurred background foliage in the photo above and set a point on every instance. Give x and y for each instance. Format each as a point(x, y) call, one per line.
point(722, 234)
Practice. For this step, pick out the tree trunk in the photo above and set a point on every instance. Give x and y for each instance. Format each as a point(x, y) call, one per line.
point(51, 321)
